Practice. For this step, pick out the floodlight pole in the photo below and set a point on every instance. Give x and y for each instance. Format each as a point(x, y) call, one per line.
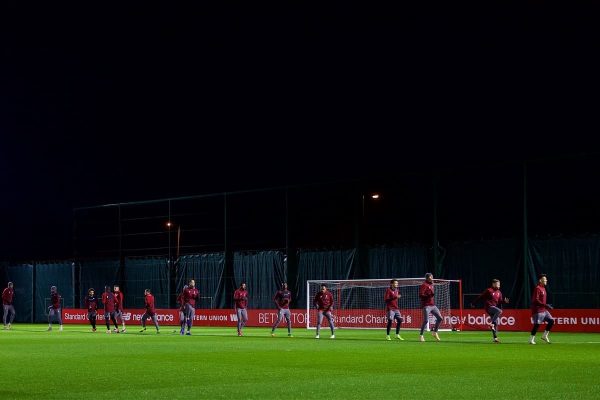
point(362, 196)
point(178, 241)
point(169, 232)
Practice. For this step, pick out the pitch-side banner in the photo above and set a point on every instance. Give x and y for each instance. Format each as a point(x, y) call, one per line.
point(567, 320)
point(220, 317)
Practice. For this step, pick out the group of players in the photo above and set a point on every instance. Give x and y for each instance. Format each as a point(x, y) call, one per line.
point(113, 308)
point(323, 301)
point(540, 309)
point(492, 298)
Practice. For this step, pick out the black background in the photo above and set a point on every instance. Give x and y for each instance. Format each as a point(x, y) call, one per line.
point(111, 103)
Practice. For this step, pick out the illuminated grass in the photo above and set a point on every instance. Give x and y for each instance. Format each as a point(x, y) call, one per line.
point(216, 364)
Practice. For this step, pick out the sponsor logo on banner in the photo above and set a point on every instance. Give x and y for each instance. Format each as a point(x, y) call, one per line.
point(567, 320)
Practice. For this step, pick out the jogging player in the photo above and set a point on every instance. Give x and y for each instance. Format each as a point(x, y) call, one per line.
point(323, 301)
point(392, 294)
point(493, 298)
point(108, 299)
point(150, 311)
point(91, 304)
point(282, 300)
point(8, 295)
point(240, 297)
point(119, 306)
point(426, 294)
point(54, 311)
point(539, 310)
point(190, 295)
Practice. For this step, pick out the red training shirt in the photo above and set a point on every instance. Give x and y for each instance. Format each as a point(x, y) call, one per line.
point(149, 300)
point(240, 297)
point(108, 299)
point(491, 297)
point(391, 299)
point(323, 300)
point(538, 299)
point(426, 293)
point(7, 296)
point(190, 295)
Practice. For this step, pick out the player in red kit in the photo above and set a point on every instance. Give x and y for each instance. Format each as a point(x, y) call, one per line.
point(181, 302)
point(91, 304)
point(54, 310)
point(119, 306)
point(240, 297)
point(8, 295)
point(492, 298)
point(282, 300)
point(150, 311)
point(323, 301)
point(426, 294)
point(108, 299)
point(539, 310)
point(190, 295)
point(392, 294)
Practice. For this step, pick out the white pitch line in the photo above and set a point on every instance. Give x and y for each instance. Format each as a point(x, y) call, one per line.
point(577, 342)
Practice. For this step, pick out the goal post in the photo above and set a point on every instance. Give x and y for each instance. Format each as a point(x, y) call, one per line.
point(359, 304)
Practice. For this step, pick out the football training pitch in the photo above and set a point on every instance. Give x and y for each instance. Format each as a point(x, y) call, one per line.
point(214, 363)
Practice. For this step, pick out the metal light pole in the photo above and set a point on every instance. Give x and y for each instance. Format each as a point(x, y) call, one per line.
point(169, 224)
point(178, 241)
point(363, 204)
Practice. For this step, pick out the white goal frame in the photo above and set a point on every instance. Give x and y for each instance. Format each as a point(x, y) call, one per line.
point(374, 317)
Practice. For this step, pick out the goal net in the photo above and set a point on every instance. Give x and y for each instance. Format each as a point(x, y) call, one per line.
point(359, 303)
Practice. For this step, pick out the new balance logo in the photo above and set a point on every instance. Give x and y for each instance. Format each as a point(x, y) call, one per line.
point(233, 317)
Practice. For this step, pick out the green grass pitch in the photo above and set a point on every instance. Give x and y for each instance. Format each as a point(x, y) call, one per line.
point(213, 363)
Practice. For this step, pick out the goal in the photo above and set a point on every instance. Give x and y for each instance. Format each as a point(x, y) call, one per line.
point(358, 303)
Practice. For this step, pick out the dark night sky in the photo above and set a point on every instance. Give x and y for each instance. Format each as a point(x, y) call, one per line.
point(142, 101)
